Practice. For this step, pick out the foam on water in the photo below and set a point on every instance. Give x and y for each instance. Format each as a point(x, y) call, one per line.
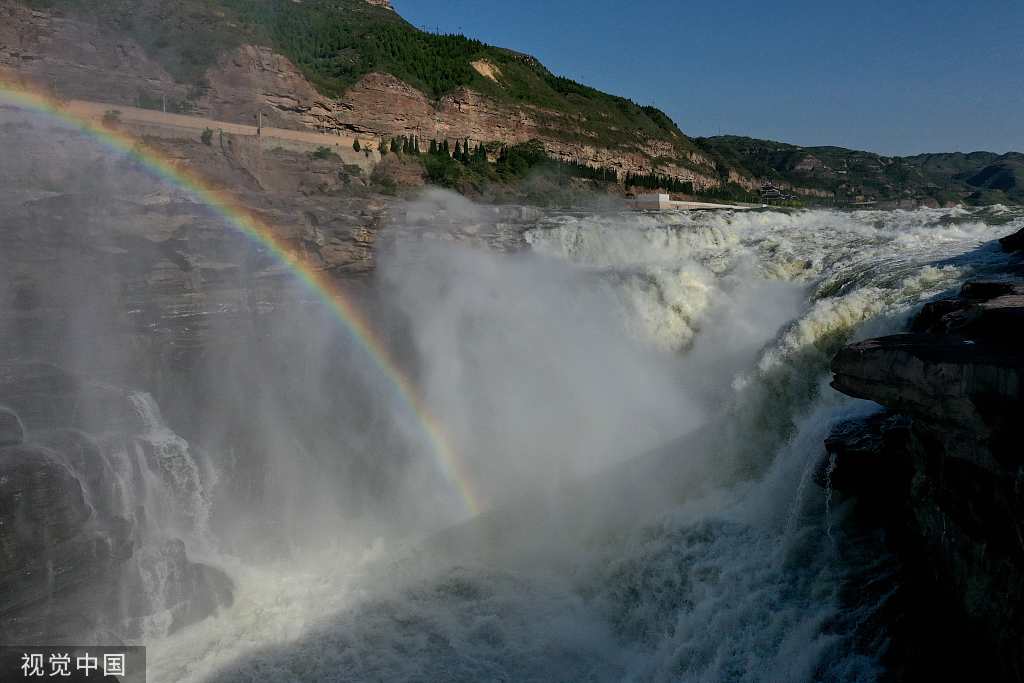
point(739, 575)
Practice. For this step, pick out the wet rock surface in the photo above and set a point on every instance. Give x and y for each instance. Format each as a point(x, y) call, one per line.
point(860, 454)
point(77, 555)
point(940, 469)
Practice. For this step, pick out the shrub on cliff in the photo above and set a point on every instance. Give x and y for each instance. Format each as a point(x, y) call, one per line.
point(323, 152)
point(442, 170)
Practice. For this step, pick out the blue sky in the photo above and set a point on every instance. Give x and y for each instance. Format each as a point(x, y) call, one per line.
point(897, 77)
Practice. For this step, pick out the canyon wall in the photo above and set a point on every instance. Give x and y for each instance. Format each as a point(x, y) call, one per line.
point(941, 468)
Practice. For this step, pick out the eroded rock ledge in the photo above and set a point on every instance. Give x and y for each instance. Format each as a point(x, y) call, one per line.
point(942, 467)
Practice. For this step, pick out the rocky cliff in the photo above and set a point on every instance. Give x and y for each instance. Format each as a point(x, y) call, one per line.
point(941, 467)
point(72, 56)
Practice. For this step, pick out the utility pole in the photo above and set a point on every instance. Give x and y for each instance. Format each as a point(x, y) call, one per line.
point(165, 102)
point(259, 123)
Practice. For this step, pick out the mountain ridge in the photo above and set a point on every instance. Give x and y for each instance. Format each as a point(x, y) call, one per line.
point(356, 67)
point(852, 176)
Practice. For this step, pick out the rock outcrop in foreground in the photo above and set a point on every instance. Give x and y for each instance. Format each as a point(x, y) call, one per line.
point(80, 561)
point(943, 465)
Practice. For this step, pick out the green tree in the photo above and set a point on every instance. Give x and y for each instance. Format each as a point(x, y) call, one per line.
point(323, 152)
point(443, 170)
point(356, 146)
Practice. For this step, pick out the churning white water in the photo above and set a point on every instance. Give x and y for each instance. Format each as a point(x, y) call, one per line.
point(642, 399)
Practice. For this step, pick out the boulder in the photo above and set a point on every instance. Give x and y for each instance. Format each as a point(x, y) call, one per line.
point(989, 311)
point(185, 591)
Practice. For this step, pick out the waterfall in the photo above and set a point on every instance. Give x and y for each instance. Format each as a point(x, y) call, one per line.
point(174, 482)
point(650, 394)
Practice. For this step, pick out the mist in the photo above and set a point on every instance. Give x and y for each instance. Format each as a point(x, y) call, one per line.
point(631, 408)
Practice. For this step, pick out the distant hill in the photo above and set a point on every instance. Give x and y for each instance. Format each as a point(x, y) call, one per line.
point(850, 176)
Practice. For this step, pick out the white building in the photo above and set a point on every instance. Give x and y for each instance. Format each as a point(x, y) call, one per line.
point(664, 202)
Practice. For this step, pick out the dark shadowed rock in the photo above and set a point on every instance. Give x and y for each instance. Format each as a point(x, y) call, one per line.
point(943, 378)
point(983, 290)
point(11, 431)
point(946, 484)
point(1014, 242)
point(77, 560)
point(83, 455)
point(860, 454)
point(44, 546)
point(189, 591)
point(984, 311)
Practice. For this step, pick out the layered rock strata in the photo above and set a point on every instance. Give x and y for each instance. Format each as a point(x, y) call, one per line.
point(941, 467)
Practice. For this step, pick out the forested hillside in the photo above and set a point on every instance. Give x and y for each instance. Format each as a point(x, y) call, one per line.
point(851, 176)
point(335, 42)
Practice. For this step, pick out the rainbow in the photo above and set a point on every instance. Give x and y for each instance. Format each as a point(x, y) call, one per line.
point(320, 284)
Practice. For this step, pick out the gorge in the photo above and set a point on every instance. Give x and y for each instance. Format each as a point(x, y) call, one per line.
point(283, 410)
point(630, 411)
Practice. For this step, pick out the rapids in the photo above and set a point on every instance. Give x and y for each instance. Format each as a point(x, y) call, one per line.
point(641, 399)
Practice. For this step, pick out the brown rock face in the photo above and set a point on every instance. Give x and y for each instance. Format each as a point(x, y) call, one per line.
point(382, 105)
point(255, 79)
point(75, 59)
